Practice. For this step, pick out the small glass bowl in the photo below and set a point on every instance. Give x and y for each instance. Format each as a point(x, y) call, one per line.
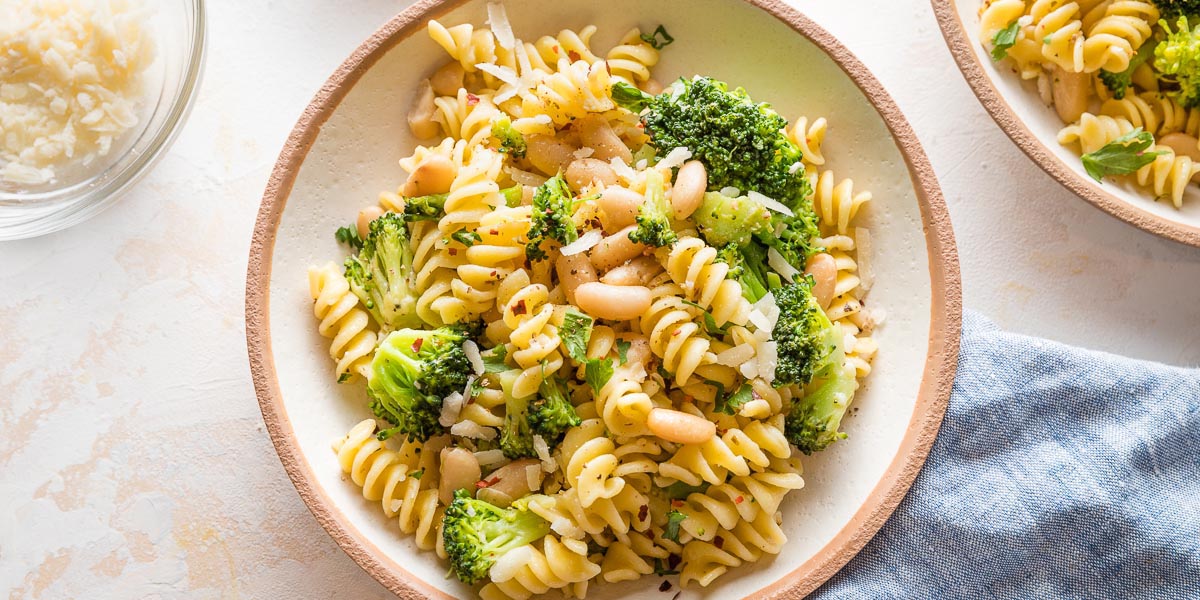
point(178, 29)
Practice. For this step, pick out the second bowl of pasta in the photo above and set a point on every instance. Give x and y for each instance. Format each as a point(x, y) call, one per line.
point(1095, 92)
point(548, 297)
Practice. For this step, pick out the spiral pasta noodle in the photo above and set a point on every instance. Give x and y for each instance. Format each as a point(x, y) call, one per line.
point(674, 335)
point(343, 320)
point(631, 59)
point(540, 567)
point(836, 203)
point(383, 476)
point(692, 265)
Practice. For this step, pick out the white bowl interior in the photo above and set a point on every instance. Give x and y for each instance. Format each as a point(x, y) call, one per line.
point(354, 158)
point(1023, 98)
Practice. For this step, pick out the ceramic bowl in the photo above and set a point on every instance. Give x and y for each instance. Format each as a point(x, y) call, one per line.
point(343, 152)
point(1033, 126)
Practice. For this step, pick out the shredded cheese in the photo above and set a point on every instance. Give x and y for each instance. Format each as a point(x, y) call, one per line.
point(73, 82)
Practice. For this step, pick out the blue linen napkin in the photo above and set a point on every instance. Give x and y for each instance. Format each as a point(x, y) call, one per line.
point(1058, 473)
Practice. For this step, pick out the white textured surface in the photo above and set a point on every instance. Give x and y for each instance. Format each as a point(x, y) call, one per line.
point(133, 461)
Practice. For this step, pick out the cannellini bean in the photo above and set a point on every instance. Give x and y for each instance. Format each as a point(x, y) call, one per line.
point(1070, 93)
point(512, 479)
point(823, 269)
point(652, 87)
point(460, 470)
point(635, 272)
point(1182, 143)
point(365, 216)
point(447, 80)
point(572, 271)
point(433, 176)
point(549, 154)
point(597, 134)
point(689, 188)
point(615, 249)
point(420, 117)
point(680, 427)
point(619, 206)
point(586, 171)
point(616, 302)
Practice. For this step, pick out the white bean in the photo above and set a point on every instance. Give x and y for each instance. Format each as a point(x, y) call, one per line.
point(1070, 93)
point(433, 176)
point(447, 80)
point(597, 134)
point(619, 207)
point(680, 427)
point(365, 216)
point(635, 272)
point(460, 470)
point(548, 154)
point(1183, 144)
point(823, 269)
point(616, 302)
point(572, 271)
point(689, 188)
point(512, 479)
point(420, 117)
point(583, 172)
point(615, 249)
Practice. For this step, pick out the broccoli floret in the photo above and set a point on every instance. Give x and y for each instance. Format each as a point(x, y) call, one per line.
point(1118, 83)
point(1178, 8)
point(381, 275)
point(477, 533)
point(747, 266)
point(727, 220)
point(813, 420)
point(654, 216)
point(810, 352)
point(742, 144)
point(413, 370)
point(551, 413)
point(752, 228)
point(425, 208)
point(553, 206)
point(1177, 60)
point(516, 439)
point(802, 334)
point(511, 140)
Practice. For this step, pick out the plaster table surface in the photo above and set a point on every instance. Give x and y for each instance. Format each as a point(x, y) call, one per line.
point(133, 459)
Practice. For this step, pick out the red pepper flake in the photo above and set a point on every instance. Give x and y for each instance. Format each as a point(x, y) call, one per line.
point(487, 482)
point(739, 500)
point(573, 55)
point(557, 50)
point(673, 561)
point(676, 503)
point(676, 332)
point(665, 586)
point(718, 542)
point(453, 251)
point(519, 307)
point(416, 345)
point(643, 512)
point(472, 99)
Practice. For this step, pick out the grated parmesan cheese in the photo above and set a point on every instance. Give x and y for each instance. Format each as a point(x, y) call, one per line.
point(73, 82)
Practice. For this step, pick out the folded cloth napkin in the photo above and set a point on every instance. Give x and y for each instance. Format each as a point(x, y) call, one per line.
point(1058, 473)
